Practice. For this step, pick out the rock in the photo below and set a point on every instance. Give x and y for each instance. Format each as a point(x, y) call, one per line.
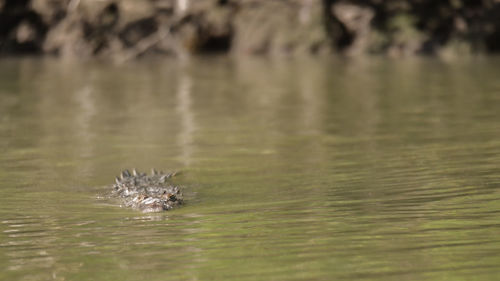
point(357, 22)
point(67, 39)
point(279, 27)
point(21, 29)
point(50, 11)
point(25, 32)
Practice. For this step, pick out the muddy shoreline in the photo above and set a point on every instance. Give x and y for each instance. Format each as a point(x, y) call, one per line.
point(122, 30)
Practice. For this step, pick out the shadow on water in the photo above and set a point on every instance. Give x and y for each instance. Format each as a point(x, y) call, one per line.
point(310, 170)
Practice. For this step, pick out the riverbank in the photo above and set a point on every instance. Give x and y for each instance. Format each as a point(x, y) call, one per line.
point(126, 29)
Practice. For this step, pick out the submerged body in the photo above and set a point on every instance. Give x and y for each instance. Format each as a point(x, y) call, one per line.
point(148, 193)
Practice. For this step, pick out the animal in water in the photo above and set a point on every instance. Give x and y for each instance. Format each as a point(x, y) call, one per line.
point(147, 193)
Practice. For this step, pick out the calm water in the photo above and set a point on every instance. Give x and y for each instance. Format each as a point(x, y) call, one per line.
point(298, 170)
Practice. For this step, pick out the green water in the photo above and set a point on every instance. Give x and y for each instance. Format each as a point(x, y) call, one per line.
point(292, 170)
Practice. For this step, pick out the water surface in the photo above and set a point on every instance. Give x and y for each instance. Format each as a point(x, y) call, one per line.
point(293, 170)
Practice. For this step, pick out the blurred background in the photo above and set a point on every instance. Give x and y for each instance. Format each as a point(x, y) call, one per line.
point(125, 29)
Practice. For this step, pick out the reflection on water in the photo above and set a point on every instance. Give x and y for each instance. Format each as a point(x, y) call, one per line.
point(186, 118)
point(374, 170)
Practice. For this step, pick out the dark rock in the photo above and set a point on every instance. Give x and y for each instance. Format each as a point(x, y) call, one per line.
point(21, 29)
point(356, 23)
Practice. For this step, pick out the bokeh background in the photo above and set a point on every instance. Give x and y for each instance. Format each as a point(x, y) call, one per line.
point(125, 29)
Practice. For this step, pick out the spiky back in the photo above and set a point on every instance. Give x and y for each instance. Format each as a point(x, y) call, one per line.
point(149, 193)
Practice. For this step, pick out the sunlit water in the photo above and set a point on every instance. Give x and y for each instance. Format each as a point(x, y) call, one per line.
point(292, 170)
